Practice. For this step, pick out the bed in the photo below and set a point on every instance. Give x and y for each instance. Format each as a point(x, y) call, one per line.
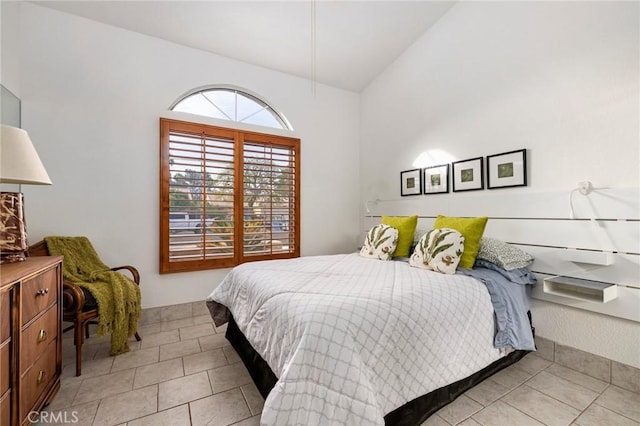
point(344, 339)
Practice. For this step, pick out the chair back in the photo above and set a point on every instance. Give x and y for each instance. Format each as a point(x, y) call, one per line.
point(38, 249)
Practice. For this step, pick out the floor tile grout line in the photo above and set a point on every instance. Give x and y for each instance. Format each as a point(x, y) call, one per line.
point(577, 384)
point(152, 414)
point(599, 394)
point(497, 399)
point(546, 394)
point(616, 412)
point(612, 409)
point(552, 397)
point(607, 383)
point(585, 410)
point(135, 418)
point(157, 403)
point(501, 399)
point(574, 382)
point(95, 415)
point(246, 401)
point(471, 415)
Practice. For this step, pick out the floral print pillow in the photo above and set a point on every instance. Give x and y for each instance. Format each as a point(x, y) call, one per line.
point(439, 250)
point(380, 242)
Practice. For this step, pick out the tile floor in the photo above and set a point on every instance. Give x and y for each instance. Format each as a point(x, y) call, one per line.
point(185, 373)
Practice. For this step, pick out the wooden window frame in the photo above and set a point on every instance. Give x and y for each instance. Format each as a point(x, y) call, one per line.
point(239, 137)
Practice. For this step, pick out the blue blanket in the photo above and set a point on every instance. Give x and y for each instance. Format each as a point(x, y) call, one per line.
point(510, 299)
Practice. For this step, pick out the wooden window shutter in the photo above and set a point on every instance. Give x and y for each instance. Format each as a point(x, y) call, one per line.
point(226, 197)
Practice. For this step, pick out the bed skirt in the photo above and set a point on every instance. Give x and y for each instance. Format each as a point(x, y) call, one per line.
point(412, 413)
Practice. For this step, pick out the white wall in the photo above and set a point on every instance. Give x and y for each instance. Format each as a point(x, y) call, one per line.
point(9, 46)
point(92, 96)
point(560, 79)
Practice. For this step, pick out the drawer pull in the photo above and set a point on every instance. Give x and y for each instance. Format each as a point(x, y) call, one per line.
point(42, 336)
point(41, 376)
point(42, 292)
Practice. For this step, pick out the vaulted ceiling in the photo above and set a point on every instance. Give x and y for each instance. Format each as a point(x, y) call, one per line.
point(344, 44)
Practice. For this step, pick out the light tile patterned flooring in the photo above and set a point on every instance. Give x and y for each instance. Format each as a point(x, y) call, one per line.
point(185, 373)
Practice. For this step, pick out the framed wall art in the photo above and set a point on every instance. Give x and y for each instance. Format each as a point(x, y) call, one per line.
point(436, 179)
point(468, 175)
point(411, 182)
point(507, 169)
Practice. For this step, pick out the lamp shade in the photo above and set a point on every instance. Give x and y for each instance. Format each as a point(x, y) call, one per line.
point(19, 161)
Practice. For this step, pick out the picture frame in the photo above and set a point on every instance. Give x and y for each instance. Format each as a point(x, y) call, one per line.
point(507, 169)
point(468, 175)
point(411, 182)
point(435, 179)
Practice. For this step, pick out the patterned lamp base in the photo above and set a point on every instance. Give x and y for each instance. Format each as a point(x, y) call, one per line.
point(13, 236)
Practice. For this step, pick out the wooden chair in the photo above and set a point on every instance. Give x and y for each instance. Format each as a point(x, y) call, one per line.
point(79, 306)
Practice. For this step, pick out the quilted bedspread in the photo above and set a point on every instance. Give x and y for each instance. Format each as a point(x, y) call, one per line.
point(351, 339)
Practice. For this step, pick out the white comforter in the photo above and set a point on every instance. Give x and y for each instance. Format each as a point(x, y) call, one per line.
point(352, 339)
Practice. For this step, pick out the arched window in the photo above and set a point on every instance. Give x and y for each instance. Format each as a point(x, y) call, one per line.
point(229, 103)
point(227, 195)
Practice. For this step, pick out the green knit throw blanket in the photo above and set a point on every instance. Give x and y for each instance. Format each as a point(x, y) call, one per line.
point(118, 297)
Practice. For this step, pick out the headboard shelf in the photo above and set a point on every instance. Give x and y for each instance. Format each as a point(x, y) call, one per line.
point(581, 289)
point(593, 257)
point(625, 305)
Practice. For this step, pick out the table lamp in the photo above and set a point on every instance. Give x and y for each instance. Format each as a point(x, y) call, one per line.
point(19, 164)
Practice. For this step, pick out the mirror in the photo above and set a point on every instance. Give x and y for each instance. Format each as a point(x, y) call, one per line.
point(9, 108)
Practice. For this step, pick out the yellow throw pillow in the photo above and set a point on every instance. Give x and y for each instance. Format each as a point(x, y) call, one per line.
point(471, 229)
point(406, 226)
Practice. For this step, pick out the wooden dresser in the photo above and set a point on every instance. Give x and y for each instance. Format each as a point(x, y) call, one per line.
point(30, 337)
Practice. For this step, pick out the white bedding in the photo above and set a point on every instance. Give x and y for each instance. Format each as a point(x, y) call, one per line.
point(351, 339)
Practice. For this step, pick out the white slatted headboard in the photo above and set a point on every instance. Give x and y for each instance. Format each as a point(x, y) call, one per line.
point(605, 221)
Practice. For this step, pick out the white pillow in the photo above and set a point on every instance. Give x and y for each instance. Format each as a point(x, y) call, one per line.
point(380, 242)
point(439, 250)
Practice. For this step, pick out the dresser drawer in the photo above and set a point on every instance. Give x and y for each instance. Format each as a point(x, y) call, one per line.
point(36, 380)
point(38, 293)
point(5, 316)
point(4, 368)
point(5, 409)
point(35, 339)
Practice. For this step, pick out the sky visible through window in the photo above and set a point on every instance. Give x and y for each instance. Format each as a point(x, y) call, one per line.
point(230, 104)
